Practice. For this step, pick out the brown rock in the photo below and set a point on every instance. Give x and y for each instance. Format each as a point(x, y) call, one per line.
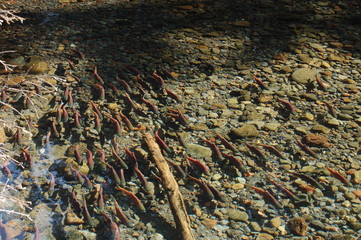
point(37, 67)
point(316, 140)
point(209, 223)
point(72, 219)
point(357, 193)
point(246, 130)
point(13, 228)
point(298, 226)
point(241, 24)
point(14, 81)
point(3, 137)
point(186, 7)
point(264, 236)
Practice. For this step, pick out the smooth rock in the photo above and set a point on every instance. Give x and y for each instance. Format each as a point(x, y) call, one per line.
point(209, 223)
point(216, 177)
point(198, 150)
point(303, 75)
point(357, 177)
point(245, 131)
point(309, 116)
point(157, 236)
point(333, 122)
point(320, 128)
point(237, 215)
point(316, 140)
point(3, 137)
point(37, 67)
point(272, 126)
point(18, 61)
point(264, 236)
point(275, 222)
point(13, 81)
point(255, 226)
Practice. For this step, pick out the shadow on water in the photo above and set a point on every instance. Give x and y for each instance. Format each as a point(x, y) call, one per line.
point(138, 32)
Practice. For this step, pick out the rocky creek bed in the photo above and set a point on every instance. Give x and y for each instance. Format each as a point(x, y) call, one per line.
point(258, 104)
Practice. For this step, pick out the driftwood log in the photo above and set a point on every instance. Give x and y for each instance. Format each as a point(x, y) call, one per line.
point(171, 188)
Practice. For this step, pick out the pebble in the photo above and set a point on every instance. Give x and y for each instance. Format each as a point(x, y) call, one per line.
point(320, 128)
point(245, 131)
point(157, 236)
point(316, 140)
point(72, 219)
point(13, 81)
point(209, 223)
point(216, 177)
point(3, 137)
point(237, 186)
point(264, 236)
point(255, 226)
point(276, 222)
point(272, 126)
point(37, 67)
point(309, 116)
point(357, 177)
point(303, 75)
point(298, 226)
point(198, 150)
point(333, 122)
point(237, 215)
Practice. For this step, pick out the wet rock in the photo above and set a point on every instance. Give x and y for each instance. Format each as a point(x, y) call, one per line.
point(246, 130)
point(357, 193)
point(43, 218)
point(73, 232)
point(320, 128)
point(303, 75)
point(209, 223)
point(298, 226)
point(198, 150)
point(357, 177)
point(216, 177)
point(316, 140)
point(237, 186)
point(275, 222)
point(342, 237)
point(255, 226)
point(14, 228)
point(241, 23)
point(13, 81)
point(272, 126)
point(72, 219)
point(18, 61)
point(37, 67)
point(264, 236)
point(237, 215)
point(333, 122)
point(3, 137)
point(157, 236)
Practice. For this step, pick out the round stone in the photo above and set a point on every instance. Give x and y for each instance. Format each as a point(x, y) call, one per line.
point(303, 75)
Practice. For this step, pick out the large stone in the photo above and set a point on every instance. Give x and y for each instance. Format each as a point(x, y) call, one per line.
point(246, 130)
point(303, 75)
